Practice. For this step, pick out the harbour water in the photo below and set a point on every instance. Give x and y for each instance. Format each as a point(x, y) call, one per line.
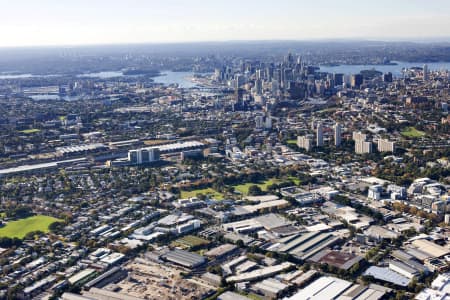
point(183, 79)
point(396, 69)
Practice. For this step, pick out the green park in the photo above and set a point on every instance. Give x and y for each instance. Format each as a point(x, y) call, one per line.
point(20, 228)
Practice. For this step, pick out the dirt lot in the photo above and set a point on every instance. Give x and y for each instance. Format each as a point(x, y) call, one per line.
point(153, 281)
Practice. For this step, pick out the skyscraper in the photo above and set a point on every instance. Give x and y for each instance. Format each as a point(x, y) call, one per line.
point(319, 135)
point(338, 78)
point(259, 122)
point(356, 80)
point(425, 73)
point(387, 77)
point(258, 86)
point(337, 134)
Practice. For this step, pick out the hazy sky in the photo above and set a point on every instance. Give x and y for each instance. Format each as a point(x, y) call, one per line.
point(68, 22)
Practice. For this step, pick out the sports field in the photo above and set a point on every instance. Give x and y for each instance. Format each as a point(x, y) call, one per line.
point(30, 131)
point(22, 227)
point(208, 191)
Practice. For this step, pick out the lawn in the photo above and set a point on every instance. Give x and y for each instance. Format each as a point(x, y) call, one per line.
point(30, 131)
point(294, 180)
point(412, 132)
point(20, 228)
point(292, 142)
point(243, 188)
point(208, 191)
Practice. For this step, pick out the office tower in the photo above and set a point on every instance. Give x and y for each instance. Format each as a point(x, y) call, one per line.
point(425, 73)
point(338, 79)
point(239, 80)
point(337, 134)
point(275, 87)
point(289, 59)
point(296, 90)
point(133, 156)
point(387, 77)
point(287, 75)
point(218, 74)
point(258, 74)
point(385, 145)
point(258, 86)
point(356, 80)
point(143, 156)
point(268, 124)
point(269, 73)
point(277, 75)
point(319, 135)
point(238, 95)
point(259, 122)
point(305, 142)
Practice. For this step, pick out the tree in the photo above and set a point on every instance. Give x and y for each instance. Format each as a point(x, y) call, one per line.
point(354, 269)
point(255, 190)
point(19, 212)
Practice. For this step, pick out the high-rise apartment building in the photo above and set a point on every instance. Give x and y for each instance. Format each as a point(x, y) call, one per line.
point(319, 135)
point(337, 134)
point(385, 145)
point(305, 142)
point(362, 147)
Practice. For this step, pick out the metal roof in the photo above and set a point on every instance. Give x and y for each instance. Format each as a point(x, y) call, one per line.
point(386, 274)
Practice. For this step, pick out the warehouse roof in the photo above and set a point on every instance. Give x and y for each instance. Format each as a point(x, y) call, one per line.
point(231, 296)
point(221, 250)
point(271, 285)
point(260, 273)
point(341, 260)
point(324, 288)
point(433, 249)
point(184, 258)
point(387, 275)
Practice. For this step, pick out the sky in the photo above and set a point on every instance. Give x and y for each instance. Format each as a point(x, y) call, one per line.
point(79, 22)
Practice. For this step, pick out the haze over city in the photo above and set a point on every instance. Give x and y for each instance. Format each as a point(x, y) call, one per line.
point(52, 22)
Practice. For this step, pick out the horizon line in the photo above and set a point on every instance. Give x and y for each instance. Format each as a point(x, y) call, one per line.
point(426, 40)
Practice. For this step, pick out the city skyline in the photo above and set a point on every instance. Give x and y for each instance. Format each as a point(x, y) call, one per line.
point(51, 23)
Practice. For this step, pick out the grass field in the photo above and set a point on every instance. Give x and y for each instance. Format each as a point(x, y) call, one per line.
point(412, 132)
point(208, 191)
point(294, 180)
point(190, 241)
point(292, 142)
point(243, 188)
point(20, 228)
point(30, 131)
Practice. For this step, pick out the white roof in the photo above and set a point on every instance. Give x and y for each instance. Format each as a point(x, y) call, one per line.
point(324, 288)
